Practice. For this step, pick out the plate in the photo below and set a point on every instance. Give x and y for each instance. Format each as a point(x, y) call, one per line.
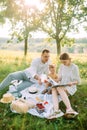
point(32, 90)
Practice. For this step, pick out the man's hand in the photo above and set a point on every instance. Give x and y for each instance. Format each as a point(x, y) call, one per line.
point(39, 81)
point(38, 78)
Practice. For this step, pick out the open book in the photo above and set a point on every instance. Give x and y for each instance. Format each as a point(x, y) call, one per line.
point(55, 84)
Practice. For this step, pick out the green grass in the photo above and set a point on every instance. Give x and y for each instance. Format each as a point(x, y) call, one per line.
point(14, 121)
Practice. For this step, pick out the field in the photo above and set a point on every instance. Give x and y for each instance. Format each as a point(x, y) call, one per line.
point(11, 61)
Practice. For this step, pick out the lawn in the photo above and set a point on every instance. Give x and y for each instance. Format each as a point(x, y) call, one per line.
point(13, 61)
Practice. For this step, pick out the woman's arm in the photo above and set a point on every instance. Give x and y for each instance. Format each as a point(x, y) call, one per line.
point(73, 83)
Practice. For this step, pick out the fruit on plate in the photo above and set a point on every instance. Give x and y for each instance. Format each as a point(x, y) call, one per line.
point(40, 105)
point(40, 108)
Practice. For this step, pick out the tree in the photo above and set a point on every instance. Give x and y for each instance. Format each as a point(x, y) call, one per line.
point(60, 17)
point(24, 19)
point(2, 20)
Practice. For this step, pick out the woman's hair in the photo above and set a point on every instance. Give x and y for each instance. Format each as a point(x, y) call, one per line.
point(64, 56)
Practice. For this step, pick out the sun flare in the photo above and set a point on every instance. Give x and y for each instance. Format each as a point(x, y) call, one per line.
point(32, 2)
point(36, 3)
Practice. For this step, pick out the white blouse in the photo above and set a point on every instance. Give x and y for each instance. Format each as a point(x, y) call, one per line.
point(69, 74)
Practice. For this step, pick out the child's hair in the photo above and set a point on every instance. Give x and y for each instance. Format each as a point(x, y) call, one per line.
point(64, 56)
point(52, 66)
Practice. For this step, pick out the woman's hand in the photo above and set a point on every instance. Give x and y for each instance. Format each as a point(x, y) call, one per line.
point(72, 83)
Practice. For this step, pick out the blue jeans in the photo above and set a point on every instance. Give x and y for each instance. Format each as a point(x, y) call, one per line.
point(20, 75)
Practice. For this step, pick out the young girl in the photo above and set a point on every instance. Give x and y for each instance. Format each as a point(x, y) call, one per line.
point(54, 76)
point(68, 74)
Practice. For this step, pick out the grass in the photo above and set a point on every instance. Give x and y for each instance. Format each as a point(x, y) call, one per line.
point(13, 61)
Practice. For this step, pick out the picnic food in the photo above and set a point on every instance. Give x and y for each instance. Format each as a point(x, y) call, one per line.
point(40, 107)
point(7, 98)
point(38, 99)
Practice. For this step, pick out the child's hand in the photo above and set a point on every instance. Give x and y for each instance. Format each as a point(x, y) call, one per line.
point(59, 78)
point(45, 81)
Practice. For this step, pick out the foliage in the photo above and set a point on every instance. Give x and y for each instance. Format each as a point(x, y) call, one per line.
point(16, 59)
point(61, 16)
point(81, 40)
point(56, 19)
point(67, 41)
point(2, 20)
point(23, 18)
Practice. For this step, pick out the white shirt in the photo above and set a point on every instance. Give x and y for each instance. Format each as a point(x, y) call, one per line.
point(37, 68)
point(69, 73)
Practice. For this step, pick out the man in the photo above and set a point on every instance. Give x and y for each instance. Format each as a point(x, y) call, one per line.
point(38, 66)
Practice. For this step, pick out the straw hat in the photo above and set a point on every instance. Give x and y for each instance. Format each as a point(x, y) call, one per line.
point(7, 98)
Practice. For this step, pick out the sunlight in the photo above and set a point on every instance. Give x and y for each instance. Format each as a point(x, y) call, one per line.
point(32, 2)
point(36, 3)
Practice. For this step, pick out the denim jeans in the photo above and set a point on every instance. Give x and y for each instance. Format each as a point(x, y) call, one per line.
point(19, 75)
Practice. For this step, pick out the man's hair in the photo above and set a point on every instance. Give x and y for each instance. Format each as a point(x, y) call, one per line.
point(64, 56)
point(45, 50)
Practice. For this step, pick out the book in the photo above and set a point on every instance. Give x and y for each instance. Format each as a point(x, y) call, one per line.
point(55, 84)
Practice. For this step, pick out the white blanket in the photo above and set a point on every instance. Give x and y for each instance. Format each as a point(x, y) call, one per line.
point(45, 99)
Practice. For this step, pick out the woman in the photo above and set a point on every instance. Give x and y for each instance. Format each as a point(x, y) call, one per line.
point(68, 74)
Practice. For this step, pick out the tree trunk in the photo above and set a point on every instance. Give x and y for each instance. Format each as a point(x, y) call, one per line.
point(25, 46)
point(58, 46)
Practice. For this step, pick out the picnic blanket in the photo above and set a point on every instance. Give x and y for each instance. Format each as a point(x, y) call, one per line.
point(46, 99)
